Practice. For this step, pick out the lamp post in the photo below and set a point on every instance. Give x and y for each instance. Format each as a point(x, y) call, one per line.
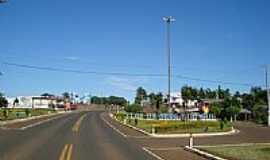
point(268, 94)
point(168, 20)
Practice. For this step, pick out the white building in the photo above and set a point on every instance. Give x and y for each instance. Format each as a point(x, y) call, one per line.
point(33, 102)
point(177, 103)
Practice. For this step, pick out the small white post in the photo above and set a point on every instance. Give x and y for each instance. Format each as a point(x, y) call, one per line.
point(153, 130)
point(191, 140)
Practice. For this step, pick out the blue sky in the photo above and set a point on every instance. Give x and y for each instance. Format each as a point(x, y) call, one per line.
point(225, 40)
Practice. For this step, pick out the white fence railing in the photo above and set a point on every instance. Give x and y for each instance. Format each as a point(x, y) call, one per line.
point(170, 116)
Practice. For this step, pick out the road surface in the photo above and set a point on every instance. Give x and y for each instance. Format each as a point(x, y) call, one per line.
point(76, 136)
point(93, 135)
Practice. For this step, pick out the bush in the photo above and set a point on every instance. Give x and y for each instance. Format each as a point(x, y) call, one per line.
point(120, 116)
point(27, 112)
point(221, 125)
point(5, 113)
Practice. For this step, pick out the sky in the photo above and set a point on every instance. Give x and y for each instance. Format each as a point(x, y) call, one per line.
point(225, 41)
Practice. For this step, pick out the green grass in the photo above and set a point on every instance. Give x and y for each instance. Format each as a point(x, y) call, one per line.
point(254, 152)
point(174, 127)
point(18, 113)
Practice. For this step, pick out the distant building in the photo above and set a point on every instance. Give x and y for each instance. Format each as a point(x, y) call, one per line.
point(36, 102)
point(178, 103)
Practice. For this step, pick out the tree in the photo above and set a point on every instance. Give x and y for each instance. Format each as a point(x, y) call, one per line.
point(235, 107)
point(260, 96)
point(248, 101)
point(186, 93)
point(201, 94)
point(95, 100)
point(152, 98)
point(3, 101)
point(15, 102)
point(260, 113)
point(140, 95)
point(135, 108)
point(116, 100)
point(66, 96)
point(47, 95)
point(210, 94)
point(216, 109)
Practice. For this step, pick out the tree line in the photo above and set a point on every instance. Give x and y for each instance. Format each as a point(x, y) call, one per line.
point(121, 101)
point(228, 107)
point(254, 101)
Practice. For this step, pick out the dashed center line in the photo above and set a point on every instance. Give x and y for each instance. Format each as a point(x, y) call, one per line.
point(66, 153)
point(77, 125)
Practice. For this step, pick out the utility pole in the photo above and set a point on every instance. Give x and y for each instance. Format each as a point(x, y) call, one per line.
point(268, 93)
point(168, 20)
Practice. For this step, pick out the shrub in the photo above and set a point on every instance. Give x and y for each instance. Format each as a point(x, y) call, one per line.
point(120, 116)
point(221, 125)
point(5, 113)
point(27, 112)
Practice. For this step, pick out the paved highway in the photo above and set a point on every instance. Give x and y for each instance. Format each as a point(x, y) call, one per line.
point(93, 135)
point(76, 136)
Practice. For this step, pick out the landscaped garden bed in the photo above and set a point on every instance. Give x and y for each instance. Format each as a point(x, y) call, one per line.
point(19, 113)
point(177, 126)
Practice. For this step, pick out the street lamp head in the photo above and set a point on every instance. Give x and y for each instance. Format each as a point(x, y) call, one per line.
point(168, 19)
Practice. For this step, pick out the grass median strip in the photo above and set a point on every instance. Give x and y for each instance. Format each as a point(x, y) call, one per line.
point(66, 152)
point(77, 125)
point(241, 152)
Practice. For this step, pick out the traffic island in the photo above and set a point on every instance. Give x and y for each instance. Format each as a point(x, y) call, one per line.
point(174, 128)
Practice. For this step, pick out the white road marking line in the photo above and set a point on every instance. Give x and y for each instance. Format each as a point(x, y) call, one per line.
point(39, 123)
point(165, 149)
point(141, 137)
point(113, 127)
point(232, 145)
point(152, 154)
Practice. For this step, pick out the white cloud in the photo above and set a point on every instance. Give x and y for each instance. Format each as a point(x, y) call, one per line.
point(128, 84)
point(72, 58)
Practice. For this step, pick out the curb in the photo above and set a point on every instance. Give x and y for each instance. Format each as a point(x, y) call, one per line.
point(130, 126)
point(184, 135)
point(232, 132)
point(30, 118)
point(203, 153)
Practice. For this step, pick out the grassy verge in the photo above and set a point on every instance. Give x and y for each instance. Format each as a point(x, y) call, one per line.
point(174, 127)
point(18, 113)
point(254, 152)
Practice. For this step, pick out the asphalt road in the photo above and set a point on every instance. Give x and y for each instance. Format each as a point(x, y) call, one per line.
point(93, 135)
point(75, 136)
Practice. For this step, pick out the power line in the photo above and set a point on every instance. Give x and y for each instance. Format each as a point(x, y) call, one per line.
point(215, 81)
point(124, 74)
point(82, 72)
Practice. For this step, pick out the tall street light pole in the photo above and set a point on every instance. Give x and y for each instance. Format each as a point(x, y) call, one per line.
point(168, 20)
point(268, 93)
